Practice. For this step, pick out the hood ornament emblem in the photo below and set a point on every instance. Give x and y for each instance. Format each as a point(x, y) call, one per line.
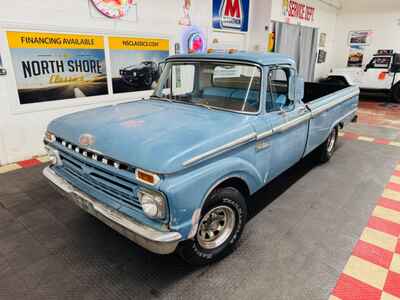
point(86, 139)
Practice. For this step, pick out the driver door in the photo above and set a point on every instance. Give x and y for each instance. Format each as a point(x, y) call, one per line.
point(377, 75)
point(288, 142)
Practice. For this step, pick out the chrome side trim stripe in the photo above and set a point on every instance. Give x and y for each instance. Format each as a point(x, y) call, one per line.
point(286, 126)
point(264, 134)
point(329, 105)
point(229, 146)
point(293, 122)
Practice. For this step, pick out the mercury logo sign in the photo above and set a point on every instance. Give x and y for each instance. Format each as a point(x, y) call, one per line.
point(231, 13)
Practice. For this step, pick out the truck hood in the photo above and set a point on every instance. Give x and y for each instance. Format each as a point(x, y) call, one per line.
point(157, 136)
point(353, 74)
point(134, 67)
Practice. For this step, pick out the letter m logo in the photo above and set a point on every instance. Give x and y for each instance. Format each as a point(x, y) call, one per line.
point(231, 14)
point(232, 9)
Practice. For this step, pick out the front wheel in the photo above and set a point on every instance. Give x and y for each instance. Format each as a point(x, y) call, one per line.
point(221, 224)
point(325, 151)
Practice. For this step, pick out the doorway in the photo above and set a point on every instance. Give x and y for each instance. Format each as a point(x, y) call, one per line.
point(300, 43)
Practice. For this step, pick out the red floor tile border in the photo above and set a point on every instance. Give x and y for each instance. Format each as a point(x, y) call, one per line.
point(349, 288)
point(24, 164)
point(355, 136)
point(29, 163)
point(384, 225)
point(374, 254)
point(373, 269)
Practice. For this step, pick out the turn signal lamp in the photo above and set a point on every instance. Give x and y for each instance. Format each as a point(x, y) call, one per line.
point(231, 51)
point(210, 50)
point(146, 177)
point(50, 137)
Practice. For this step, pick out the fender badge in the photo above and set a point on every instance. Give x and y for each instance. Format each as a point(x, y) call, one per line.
point(86, 139)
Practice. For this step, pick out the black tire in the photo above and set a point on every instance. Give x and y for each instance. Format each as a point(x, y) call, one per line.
point(396, 93)
point(193, 252)
point(325, 151)
point(148, 81)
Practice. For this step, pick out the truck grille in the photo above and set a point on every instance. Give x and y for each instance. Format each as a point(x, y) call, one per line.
point(94, 172)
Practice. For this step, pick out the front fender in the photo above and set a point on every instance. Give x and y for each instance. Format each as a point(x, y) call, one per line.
point(187, 192)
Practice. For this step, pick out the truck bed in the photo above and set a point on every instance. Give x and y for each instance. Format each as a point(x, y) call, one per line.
point(329, 105)
point(314, 90)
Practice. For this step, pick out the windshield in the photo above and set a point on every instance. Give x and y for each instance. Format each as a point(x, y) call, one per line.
point(219, 85)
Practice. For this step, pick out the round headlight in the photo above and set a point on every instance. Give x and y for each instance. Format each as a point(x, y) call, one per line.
point(149, 206)
point(153, 204)
point(53, 156)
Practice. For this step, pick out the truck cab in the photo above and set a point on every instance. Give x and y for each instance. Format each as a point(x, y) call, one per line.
point(379, 74)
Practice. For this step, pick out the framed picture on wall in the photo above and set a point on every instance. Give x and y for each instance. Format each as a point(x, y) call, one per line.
point(322, 40)
point(356, 56)
point(360, 38)
point(2, 70)
point(57, 66)
point(321, 56)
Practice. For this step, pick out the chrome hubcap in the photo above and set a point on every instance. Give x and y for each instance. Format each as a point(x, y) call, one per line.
point(216, 227)
point(331, 140)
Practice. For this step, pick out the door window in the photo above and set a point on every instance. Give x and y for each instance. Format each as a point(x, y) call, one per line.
point(277, 89)
point(380, 63)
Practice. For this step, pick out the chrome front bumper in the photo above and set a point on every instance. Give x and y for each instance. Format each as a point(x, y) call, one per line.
point(153, 240)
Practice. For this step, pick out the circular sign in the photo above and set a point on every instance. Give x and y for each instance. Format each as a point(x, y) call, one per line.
point(196, 43)
point(113, 8)
point(193, 40)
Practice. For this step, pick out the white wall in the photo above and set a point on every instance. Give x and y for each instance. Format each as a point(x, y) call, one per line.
point(324, 19)
point(22, 127)
point(384, 24)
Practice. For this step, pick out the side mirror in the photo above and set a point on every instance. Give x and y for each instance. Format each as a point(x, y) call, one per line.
point(368, 66)
point(296, 88)
point(395, 68)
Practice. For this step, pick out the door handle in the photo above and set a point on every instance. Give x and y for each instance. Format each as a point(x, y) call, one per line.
point(302, 110)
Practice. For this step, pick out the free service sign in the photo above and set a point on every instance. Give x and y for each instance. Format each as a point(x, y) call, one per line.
point(231, 14)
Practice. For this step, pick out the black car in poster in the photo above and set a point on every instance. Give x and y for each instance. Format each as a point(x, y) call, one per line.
point(140, 75)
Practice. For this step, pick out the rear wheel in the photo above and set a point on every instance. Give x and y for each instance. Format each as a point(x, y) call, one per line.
point(221, 224)
point(148, 80)
point(396, 93)
point(325, 151)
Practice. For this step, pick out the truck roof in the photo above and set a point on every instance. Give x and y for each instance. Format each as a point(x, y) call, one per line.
point(263, 59)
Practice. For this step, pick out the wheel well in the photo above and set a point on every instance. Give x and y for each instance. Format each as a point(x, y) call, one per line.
point(238, 183)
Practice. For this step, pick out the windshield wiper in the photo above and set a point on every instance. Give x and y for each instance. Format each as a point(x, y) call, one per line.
point(192, 103)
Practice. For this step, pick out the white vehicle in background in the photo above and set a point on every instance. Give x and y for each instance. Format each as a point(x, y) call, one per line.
point(379, 75)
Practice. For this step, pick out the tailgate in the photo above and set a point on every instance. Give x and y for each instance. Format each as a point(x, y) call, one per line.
point(329, 111)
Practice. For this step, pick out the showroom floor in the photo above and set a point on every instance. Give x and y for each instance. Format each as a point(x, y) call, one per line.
point(303, 228)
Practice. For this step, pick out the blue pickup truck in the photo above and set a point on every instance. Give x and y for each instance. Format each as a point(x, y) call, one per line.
point(175, 172)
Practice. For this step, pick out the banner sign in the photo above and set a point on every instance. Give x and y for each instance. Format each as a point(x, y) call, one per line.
point(135, 62)
point(231, 14)
point(298, 10)
point(52, 66)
